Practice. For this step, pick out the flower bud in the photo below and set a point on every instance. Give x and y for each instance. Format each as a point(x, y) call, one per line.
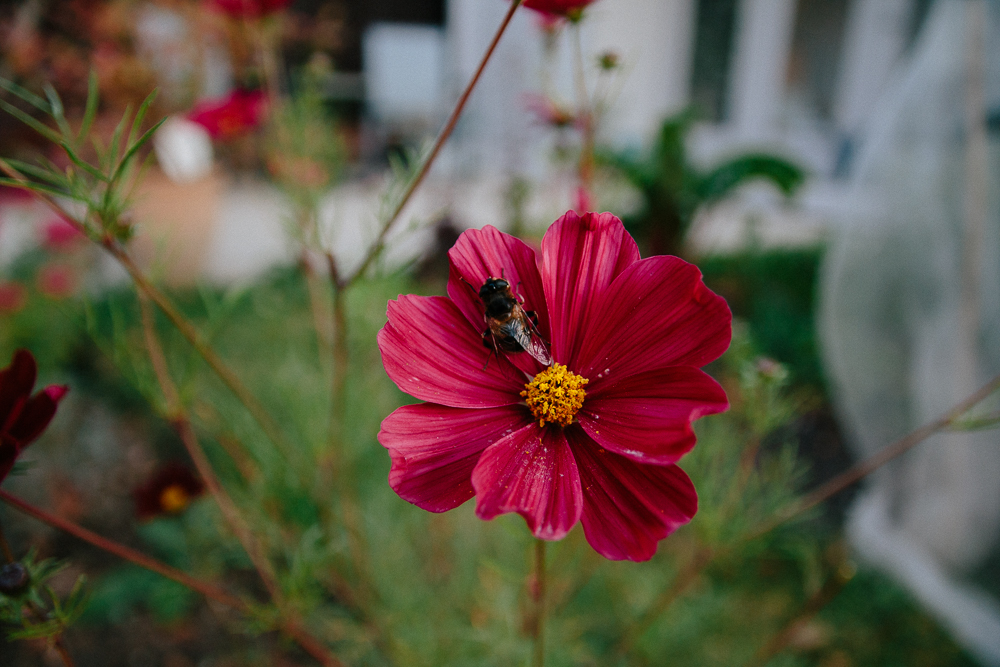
point(14, 579)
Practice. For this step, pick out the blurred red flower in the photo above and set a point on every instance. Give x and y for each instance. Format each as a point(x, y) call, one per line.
point(592, 438)
point(13, 296)
point(231, 116)
point(568, 8)
point(23, 417)
point(251, 9)
point(168, 491)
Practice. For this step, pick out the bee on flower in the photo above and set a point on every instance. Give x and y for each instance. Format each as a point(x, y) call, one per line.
point(595, 436)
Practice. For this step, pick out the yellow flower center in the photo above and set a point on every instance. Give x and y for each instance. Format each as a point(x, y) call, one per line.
point(173, 499)
point(555, 395)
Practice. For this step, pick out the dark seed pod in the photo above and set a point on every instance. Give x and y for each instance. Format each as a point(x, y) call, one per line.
point(14, 579)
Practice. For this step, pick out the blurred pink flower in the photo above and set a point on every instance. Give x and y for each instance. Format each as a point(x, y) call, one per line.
point(23, 417)
point(592, 438)
point(56, 281)
point(249, 8)
point(547, 112)
point(60, 235)
point(231, 116)
point(13, 296)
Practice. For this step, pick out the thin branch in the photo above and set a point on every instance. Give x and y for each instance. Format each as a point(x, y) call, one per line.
point(290, 627)
point(438, 143)
point(887, 454)
point(127, 553)
point(780, 641)
point(179, 418)
point(682, 582)
point(60, 648)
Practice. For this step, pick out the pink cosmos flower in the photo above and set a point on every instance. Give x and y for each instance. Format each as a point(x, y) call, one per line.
point(23, 417)
point(231, 116)
point(592, 438)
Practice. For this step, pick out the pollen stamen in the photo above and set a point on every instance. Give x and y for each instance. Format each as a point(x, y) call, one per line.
point(555, 395)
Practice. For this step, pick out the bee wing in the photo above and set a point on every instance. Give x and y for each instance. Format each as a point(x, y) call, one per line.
point(531, 341)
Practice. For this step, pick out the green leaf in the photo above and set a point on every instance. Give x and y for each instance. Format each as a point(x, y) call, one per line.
point(33, 123)
point(41, 173)
point(24, 94)
point(82, 164)
point(37, 187)
point(116, 138)
point(141, 115)
point(37, 631)
point(134, 148)
point(93, 99)
point(57, 110)
point(786, 176)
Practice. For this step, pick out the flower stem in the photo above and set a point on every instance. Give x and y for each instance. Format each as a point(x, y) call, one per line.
point(438, 143)
point(586, 113)
point(538, 598)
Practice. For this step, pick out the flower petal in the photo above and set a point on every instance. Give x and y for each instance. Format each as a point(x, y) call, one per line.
point(16, 382)
point(531, 472)
point(647, 417)
point(434, 449)
point(629, 507)
point(36, 414)
point(580, 258)
point(657, 313)
point(431, 352)
point(489, 253)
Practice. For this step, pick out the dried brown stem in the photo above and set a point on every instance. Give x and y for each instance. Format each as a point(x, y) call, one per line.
point(291, 627)
point(60, 648)
point(138, 558)
point(449, 127)
point(887, 454)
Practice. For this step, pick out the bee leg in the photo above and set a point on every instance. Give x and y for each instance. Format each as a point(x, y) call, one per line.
point(490, 344)
point(533, 316)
